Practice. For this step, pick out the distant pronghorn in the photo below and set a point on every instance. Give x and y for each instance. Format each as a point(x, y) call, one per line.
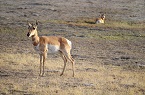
point(50, 44)
point(101, 19)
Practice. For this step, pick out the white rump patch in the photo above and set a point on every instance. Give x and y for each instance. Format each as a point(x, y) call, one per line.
point(52, 48)
point(69, 43)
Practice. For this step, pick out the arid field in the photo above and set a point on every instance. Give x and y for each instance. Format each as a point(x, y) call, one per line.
point(109, 58)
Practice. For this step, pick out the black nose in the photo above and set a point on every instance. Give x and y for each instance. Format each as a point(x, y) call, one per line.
point(28, 34)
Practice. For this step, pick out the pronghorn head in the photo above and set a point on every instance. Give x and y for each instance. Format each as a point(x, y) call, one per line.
point(103, 16)
point(32, 29)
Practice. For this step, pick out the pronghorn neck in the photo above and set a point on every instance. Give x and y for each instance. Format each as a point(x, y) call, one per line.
point(35, 39)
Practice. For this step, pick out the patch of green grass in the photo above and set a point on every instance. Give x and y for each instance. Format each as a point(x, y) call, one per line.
point(113, 24)
point(13, 34)
point(116, 29)
point(113, 35)
point(131, 25)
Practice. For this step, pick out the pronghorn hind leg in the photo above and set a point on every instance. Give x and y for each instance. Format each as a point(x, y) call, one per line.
point(65, 61)
point(72, 61)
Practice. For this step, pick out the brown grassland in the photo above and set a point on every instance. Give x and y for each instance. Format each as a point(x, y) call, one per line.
point(110, 57)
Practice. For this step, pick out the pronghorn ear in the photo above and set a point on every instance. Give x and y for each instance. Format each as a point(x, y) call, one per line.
point(36, 22)
point(29, 24)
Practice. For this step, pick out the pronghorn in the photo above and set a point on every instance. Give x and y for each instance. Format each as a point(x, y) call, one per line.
point(101, 19)
point(50, 44)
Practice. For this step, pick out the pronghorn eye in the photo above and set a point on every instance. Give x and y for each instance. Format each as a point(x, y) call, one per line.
point(33, 28)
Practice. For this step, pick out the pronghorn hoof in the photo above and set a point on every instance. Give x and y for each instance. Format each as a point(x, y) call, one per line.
point(41, 75)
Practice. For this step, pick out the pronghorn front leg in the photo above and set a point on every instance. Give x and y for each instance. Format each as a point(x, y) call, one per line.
point(42, 63)
point(43, 54)
point(44, 58)
point(41, 58)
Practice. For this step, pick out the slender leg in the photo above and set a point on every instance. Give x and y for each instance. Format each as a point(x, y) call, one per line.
point(43, 53)
point(65, 61)
point(40, 64)
point(72, 61)
point(44, 57)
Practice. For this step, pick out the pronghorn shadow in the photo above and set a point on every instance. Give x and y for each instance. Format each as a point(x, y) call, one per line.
point(90, 22)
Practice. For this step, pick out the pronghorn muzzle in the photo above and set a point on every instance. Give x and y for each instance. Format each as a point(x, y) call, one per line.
point(28, 34)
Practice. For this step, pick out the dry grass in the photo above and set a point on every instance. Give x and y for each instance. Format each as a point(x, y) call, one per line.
point(19, 76)
point(109, 57)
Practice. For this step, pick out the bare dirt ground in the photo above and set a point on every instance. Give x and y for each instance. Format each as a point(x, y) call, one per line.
point(109, 60)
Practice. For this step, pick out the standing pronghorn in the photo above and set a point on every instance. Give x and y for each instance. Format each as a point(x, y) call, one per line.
point(101, 19)
point(51, 44)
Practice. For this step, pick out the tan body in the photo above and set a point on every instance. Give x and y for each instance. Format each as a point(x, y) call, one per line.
point(50, 44)
point(101, 19)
